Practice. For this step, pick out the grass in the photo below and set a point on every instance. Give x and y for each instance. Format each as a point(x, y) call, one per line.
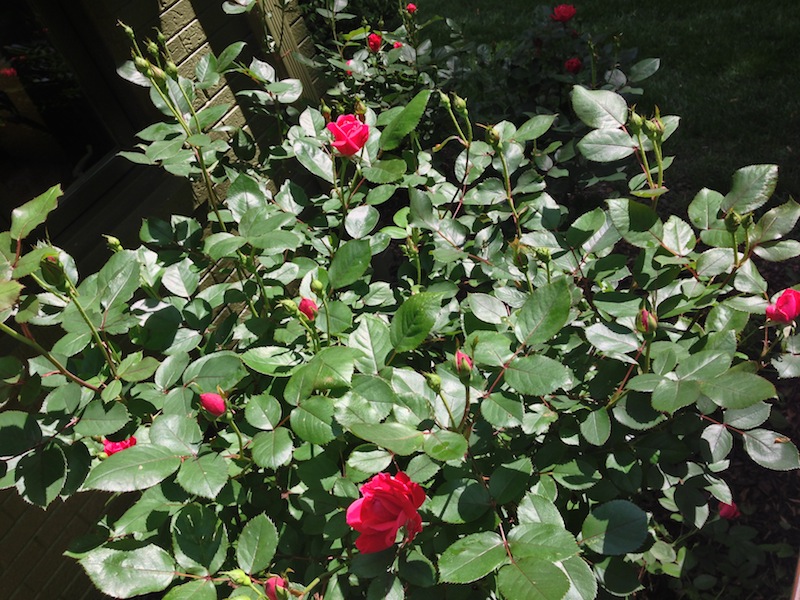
point(729, 69)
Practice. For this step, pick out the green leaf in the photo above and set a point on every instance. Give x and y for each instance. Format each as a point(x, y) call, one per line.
point(271, 360)
point(314, 158)
point(372, 339)
point(199, 540)
point(546, 541)
point(362, 220)
point(331, 369)
point(203, 475)
point(534, 128)
point(606, 145)
point(136, 368)
point(41, 476)
point(600, 109)
point(643, 69)
point(471, 558)
point(272, 449)
point(532, 579)
point(385, 171)
point(736, 389)
point(33, 213)
point(228, 55)
point(129, 573)
point(752, 187)
point(637, 224)
point(719, 440)
point(312, 420)
point(771, 450)
point(222, 369)
point(179, 433)
point(9, 294)
point(19, 431)
point(671, 395)
point(596, 427)
point(257, 544)
point(704, 208)
point(136, 468)
point(101, 419)
point(119, 278)
point(337, 315)
point(414, 320)
point(170, 370)
point(510, 480)
point(544, 314)
point(535, 508)
point(405, 122)
point(395, 437)
point(614, 528)
point(349, 263)
point(537, 375)
point(445, 445)
point(583, 584)
point(460, 501)
point(487, 308)
point(199, 589)
point(777, 222)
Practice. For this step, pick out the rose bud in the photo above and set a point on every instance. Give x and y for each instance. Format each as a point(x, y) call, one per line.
point(411, 8)
point(374, 41)
point(213, 403)
point(110, 447)
point(463, 363)
point(273, 585)
point(309, 308)
point(729, 511)
point(786, 308)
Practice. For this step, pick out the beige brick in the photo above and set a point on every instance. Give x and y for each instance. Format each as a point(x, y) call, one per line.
point(177, 17)
point(192, 37)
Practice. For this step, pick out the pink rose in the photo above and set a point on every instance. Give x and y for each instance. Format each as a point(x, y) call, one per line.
point(308, 308)
point(272, 586)
point(786, 308)
point(729, 511)
point(113, 447)
point(411, 8)
point(397, 45)
point(374, 41)
point(388, 503)
point(213, 403)
point(349, 134)
point(463, 362)
point(573, 65)
point(563, 13)
point(349, 64)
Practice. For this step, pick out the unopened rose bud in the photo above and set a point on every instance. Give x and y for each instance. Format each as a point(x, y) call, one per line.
point(317, 287)
point(290, 306)
point(239, 577)
point(646, 323)
point(360, 108)
point(142, 65)
point(543, 254)
point(158, 75)
point(113, 243)
point(747, 220)
point(635, 122)
point(444, 100)
point(460, 105)
point(493, 137)
point(463, 363)
point(152, 48)
point(127, 29)
point(434, 382)
point(275, 588)
point(53, 271)
point(171, 69)
point(213, 403)
point(162, 39)
point(732, 220)
point(309, 308)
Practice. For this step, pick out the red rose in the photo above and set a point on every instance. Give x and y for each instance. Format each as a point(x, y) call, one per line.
point(113, 447)
point(374, 41)
point(8, 72)
point(213, 403)
point(729, 511)
point(463, 362)
point(563, 13)
point(573, 65)
point(349, 134)
point(397, 45)
point(308, 308)
point(272, 586)
point(786, 308)
point(388, 503)
point(349, 64)
point(411, 8)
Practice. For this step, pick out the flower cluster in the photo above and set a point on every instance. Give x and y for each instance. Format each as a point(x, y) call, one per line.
point(387, 504)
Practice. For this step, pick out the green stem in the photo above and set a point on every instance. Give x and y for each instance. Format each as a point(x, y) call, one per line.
point(73, 294)
point(238, 437)
point(61, 368)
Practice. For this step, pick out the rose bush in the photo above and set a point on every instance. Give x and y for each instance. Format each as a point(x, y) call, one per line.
point(480, 407)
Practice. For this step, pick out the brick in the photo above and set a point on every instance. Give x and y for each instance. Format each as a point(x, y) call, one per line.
point(177, 17)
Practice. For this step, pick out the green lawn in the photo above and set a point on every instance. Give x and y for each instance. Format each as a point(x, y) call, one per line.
point(729, 69)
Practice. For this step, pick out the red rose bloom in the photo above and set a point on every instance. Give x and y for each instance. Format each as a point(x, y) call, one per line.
point(272, 585)
point(374, 41)
point(349, 134)
point(397, 45)
point(563, 13)
point(213, 403)
point(308, 308)
point(786, 308)
point(113, 447)
point(729, 511)
point(573, 65)
point(388, 503)
point(411, 8)
point(8, 72)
